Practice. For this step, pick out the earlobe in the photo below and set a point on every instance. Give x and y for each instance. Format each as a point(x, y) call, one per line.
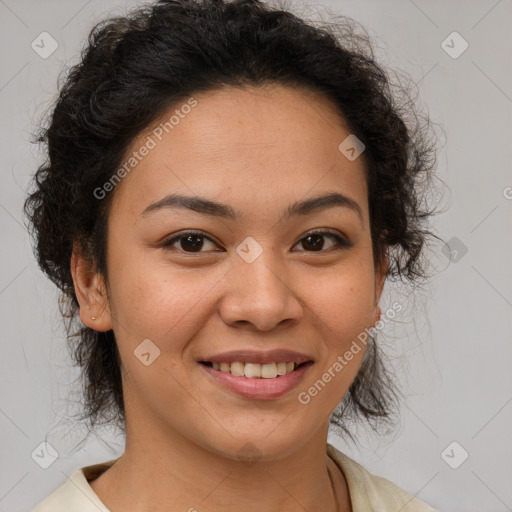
point(90, 292)
point(376, 316)
point(381, 278)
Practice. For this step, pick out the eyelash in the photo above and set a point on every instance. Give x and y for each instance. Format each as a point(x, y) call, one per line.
point(341, 243)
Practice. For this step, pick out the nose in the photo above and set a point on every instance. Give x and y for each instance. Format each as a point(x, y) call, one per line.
point(260, 296)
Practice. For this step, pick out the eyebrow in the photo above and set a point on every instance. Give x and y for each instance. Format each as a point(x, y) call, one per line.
point(213, 208)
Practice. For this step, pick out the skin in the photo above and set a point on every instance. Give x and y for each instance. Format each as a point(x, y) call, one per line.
point(258, 150)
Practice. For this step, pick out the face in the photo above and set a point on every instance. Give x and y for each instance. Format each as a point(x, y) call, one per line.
point(251, 280)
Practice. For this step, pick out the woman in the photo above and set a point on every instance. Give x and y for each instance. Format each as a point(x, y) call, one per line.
point(227, 190)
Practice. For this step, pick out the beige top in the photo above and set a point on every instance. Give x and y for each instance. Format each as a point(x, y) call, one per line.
point(368, 492)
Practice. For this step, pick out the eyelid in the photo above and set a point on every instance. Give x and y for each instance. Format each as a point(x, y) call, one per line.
point(174, 238)
point(342, 241)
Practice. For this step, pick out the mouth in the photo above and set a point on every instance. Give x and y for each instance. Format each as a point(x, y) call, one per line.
point(272, 370)
point(256, 381)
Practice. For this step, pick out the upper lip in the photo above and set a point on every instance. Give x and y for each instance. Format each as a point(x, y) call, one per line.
point(261, 357)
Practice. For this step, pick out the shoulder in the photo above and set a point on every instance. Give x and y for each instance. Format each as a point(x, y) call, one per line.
point(76, 494)
point(369, 492)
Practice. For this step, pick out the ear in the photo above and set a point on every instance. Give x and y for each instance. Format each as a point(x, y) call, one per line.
point(380, 279)
point(90, 292)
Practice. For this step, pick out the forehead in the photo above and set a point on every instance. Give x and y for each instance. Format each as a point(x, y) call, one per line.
point(271, 143)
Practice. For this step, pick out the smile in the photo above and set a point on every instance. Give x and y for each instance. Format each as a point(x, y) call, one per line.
point(255, 370)
point(256, 381)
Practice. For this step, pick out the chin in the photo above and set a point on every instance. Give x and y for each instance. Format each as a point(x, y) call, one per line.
point(258, 446)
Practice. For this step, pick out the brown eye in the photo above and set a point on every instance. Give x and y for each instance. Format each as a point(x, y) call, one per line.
point(193, 241)
point(189, 241)
point(314, 241)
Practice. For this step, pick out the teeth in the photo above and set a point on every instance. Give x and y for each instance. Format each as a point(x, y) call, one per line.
point(255, 370)
point(281, 368)
point(269, 371)
point(237, 368)
point(252, 370)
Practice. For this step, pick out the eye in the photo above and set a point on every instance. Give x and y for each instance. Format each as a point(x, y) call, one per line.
point(314, 241)
point(190, 241)
point(193, 241)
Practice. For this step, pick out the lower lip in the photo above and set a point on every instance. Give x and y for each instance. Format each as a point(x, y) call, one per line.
point(258, 388)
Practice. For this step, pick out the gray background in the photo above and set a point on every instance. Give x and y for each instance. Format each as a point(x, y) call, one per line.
point(451, 347)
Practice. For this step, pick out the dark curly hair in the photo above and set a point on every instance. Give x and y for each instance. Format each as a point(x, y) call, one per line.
point(137, 66)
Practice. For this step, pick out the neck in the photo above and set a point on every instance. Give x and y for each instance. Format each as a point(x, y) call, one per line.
point(160, 469)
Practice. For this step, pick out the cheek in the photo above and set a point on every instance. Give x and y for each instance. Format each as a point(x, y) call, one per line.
point(344, 300)
point(342, 315)
point(152, 301)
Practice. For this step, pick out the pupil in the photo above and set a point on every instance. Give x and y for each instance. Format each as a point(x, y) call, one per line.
point(195, 241)
point(319, 242)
